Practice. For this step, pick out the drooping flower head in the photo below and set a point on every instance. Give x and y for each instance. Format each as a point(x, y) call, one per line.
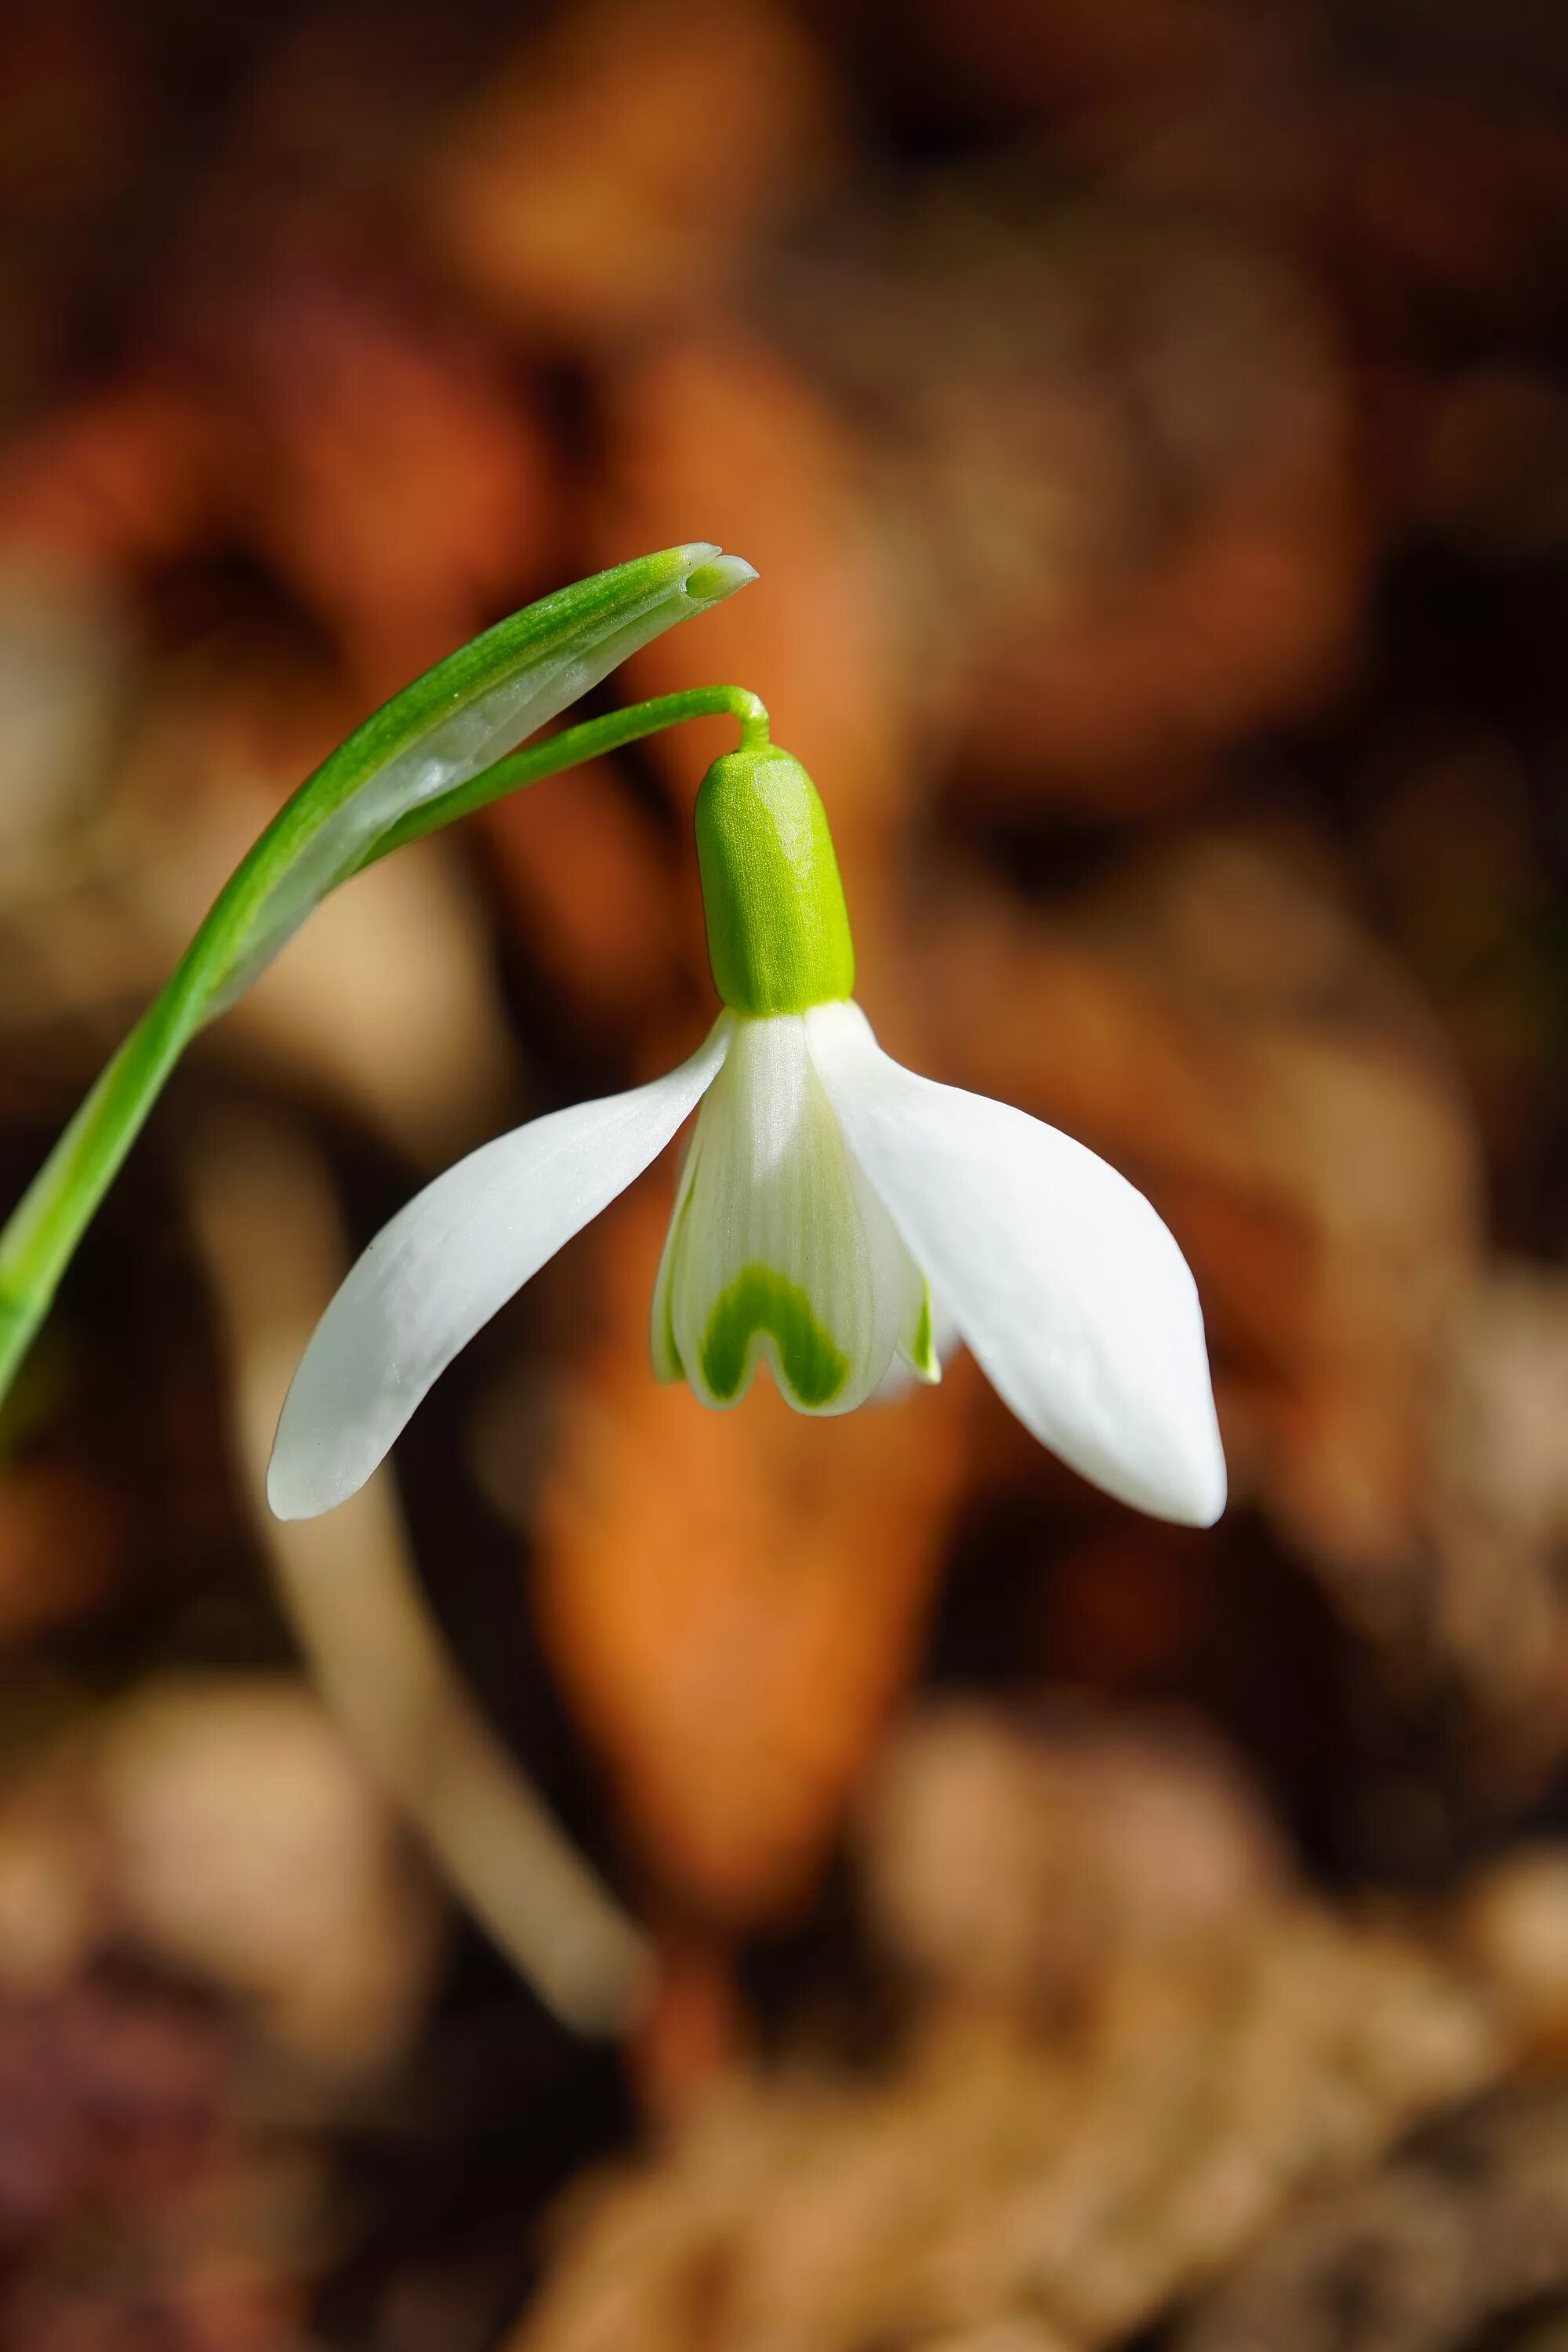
point(837, 1216)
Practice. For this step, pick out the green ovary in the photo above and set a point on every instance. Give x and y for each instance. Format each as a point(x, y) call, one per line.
point(810, 1365)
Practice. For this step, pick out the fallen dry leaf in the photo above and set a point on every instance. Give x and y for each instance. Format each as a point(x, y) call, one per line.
point(591, 889)
point(386, 466)
point(717, 432)
point(1491, 1608)
point(249, 1846)
point(628, 157)
point(126, 478)
point(732, 1601)
point(1024, 2170)
point(219, 1826)
point(138, 2202)
point(1465, 2233)
point(1007, 1868)
point(63, 1542)
point(1110, 438)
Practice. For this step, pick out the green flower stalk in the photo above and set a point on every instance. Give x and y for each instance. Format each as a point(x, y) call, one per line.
point(426, 758)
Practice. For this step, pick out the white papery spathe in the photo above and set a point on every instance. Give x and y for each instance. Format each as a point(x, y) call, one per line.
point(823, 1175)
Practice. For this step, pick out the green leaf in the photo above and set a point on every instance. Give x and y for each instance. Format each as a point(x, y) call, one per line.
point(451, 724)
point(427, 756)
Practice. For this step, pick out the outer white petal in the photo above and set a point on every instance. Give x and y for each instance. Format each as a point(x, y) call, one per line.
point(1066, 1285)
point(444, 1266)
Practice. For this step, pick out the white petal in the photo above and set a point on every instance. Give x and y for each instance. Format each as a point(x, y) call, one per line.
point(667, 1363)
point(779, 1250)
point(927, 1338)
point(447, 1262)
point(1071, 1293)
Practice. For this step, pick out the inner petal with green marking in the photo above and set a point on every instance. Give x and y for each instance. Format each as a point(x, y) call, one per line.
point(760, 1303)
point(779, 1252)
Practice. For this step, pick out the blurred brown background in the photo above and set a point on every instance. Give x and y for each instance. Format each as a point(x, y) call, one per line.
point(1150, 420)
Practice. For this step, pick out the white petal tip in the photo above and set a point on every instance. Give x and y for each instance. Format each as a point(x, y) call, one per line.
point(719, 576)
point(299, 1488)
point(1202, 1505)
point(1189, 1486)
point(284, 1503)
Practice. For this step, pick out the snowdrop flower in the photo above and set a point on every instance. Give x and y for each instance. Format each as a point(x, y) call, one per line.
point(835, 1213)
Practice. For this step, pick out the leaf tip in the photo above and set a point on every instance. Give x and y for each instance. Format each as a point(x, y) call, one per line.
point(718, 576)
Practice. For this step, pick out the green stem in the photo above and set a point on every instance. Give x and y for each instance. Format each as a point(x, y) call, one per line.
point(42, 1233)
point(590, 740)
